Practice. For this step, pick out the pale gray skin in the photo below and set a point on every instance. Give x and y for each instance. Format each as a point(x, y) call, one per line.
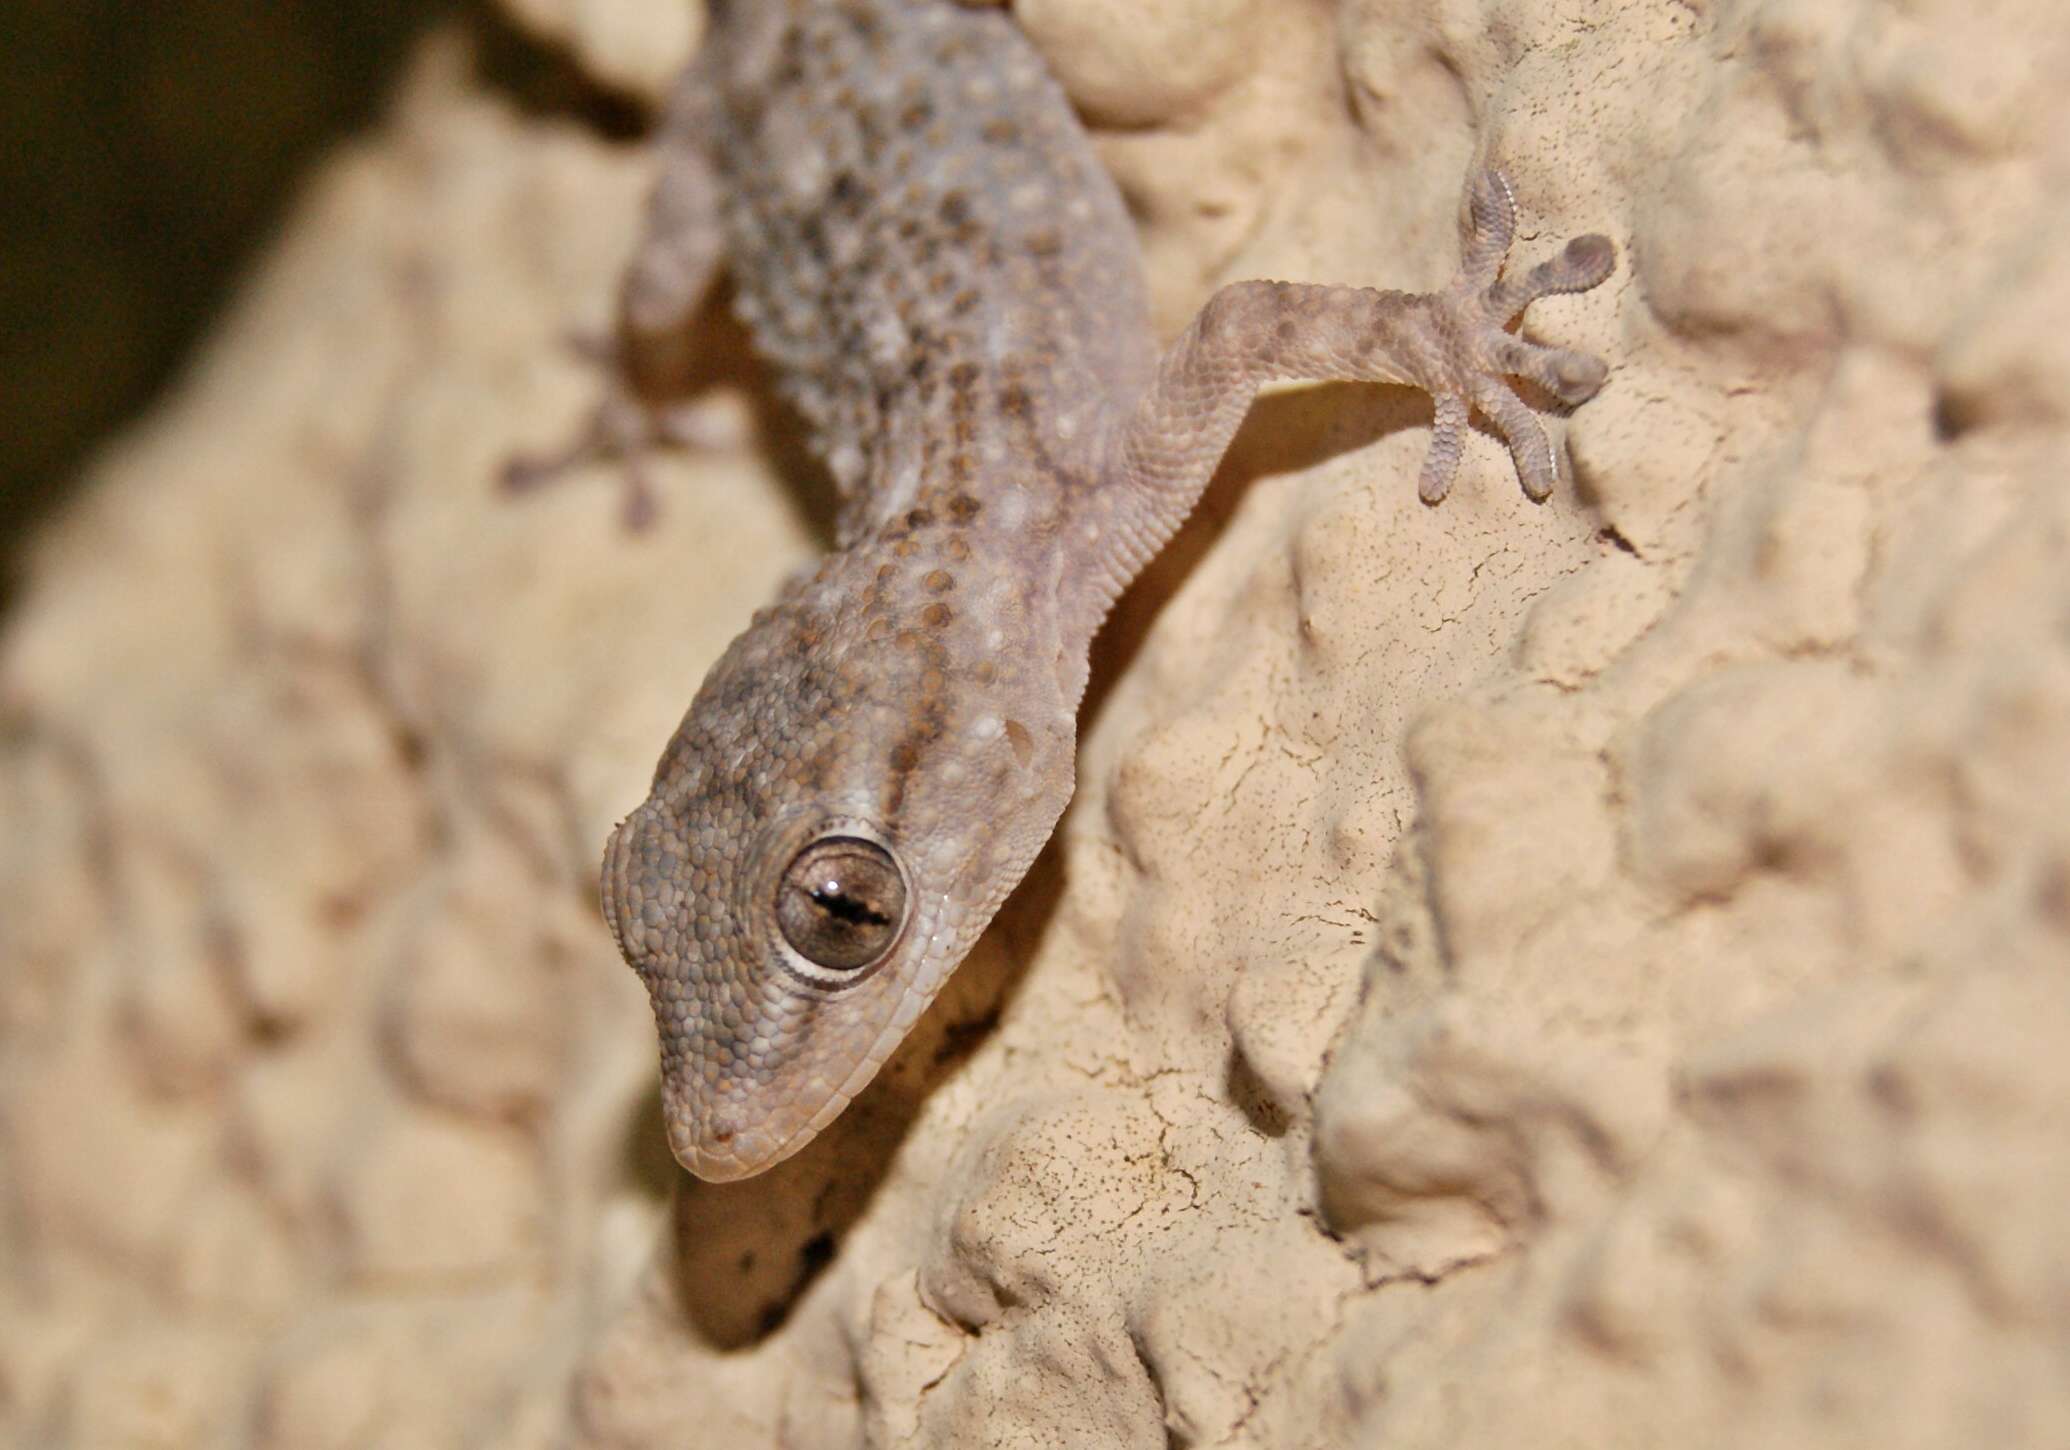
point(922, 241)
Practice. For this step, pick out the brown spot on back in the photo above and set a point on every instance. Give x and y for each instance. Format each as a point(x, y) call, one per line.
point(939, 581)
point(935, 615)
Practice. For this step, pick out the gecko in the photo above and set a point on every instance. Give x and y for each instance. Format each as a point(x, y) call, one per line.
point(923, 242)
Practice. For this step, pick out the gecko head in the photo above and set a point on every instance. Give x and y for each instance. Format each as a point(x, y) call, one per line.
point(826, 837)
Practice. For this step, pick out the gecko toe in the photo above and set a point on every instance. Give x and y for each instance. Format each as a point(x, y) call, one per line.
point(1572, 377)
point(1488, 226)
point(1537, 465)
point(1585, 262)
point(1588, 261)
point(1447, 442)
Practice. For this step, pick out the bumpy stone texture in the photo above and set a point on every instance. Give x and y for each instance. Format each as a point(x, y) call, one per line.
point(1588, 975)
point(637, 46)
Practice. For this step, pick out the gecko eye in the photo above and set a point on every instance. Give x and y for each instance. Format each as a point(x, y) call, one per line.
point(841, 902)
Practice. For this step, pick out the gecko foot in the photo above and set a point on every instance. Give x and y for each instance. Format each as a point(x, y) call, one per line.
point(1482, 304)
point(625, 429)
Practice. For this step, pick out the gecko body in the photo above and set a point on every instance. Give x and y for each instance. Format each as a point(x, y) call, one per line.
point(922, 241)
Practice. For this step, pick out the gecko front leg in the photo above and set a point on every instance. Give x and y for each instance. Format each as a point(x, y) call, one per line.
point(1454, 344)
point(650, 355)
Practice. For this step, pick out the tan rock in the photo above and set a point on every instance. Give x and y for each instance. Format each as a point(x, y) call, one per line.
point(156, 1388)
point(398, 1372)
point(1583, 976)
point(425, 1200)
point(480, 1020)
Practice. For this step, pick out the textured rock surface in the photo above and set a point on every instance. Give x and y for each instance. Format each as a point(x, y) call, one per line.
point(1590, 975)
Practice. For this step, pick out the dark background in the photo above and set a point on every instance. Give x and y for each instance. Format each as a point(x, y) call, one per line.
point(147, 152)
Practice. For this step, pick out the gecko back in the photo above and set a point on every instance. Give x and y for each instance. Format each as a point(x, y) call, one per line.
point(924, 244)
point(922, 240)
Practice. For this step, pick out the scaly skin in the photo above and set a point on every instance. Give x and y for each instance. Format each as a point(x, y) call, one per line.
point(922, 240)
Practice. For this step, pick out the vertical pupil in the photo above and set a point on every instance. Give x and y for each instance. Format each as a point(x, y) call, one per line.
point(842, 902)
point(837, 900)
